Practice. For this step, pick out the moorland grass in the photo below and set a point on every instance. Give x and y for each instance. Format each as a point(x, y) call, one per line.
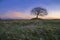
point(44, 30)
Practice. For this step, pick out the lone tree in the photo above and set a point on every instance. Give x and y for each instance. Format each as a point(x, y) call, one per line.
point(38, 11)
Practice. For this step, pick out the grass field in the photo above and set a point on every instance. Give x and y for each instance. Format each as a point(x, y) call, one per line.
point(29, 29)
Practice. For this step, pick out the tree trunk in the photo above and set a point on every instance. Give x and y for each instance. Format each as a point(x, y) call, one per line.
point(37, 16)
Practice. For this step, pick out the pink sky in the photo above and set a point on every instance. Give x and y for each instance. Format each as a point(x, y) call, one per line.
point(19, 15)
point(21, 8)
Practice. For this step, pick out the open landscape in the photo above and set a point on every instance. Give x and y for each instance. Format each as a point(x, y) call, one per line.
point(30, 29)
point(29, 19)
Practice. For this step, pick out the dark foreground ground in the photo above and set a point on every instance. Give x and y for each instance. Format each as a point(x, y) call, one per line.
point(29, 29)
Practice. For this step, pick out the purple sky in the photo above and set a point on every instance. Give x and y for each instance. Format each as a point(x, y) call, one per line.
point(21, 8)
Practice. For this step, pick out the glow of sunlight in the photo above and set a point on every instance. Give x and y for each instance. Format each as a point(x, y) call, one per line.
point(14, 15)
point(20, 15)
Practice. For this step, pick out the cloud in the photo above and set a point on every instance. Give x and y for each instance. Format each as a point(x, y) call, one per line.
point(15, 15)
point(21, 15)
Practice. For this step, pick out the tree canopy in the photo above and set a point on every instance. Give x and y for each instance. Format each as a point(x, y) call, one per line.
point(39, 11)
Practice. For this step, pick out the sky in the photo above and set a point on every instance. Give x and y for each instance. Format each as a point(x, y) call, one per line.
point(21, 9)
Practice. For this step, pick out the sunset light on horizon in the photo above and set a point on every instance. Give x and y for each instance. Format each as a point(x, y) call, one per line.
point(21, 9)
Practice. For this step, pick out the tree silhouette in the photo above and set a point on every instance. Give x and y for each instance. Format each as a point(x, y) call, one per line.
point(38, 11)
